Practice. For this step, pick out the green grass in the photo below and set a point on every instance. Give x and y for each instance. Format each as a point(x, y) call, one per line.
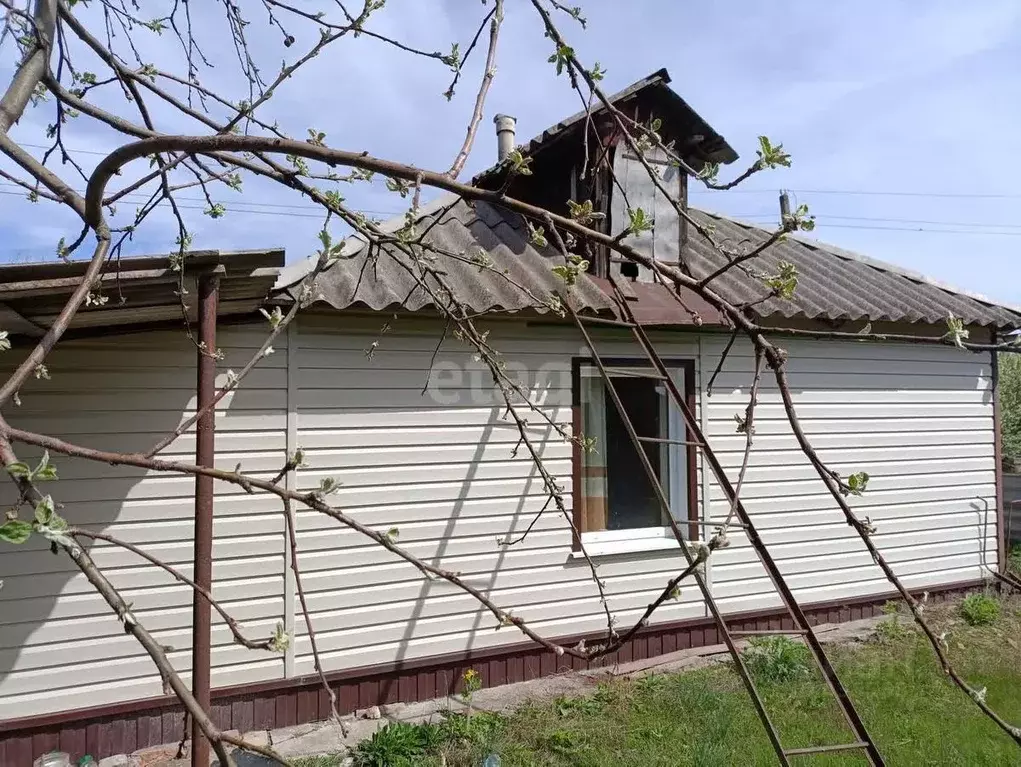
point(1014, 560)
point(319, 761)
point(704, 717)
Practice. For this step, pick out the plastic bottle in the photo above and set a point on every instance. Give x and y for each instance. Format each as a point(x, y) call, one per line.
point(53, 759)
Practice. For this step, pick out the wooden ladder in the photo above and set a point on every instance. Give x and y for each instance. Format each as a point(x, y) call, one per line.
point(802, 628)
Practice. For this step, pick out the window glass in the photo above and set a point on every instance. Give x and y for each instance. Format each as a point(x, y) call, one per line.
point(615, 488)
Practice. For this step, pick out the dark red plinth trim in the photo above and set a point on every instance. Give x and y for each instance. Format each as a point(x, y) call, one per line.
point(125, 727)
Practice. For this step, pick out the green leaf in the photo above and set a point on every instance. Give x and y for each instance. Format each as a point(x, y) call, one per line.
point(45, 471)
point(785, 281)
point(398, 185)
point(280, 639)
point(561, 57)
point(519, 163)
point(216, 210)
point(709, 172)
point(584, 212)
point(452, 59)
point(799, 219)
point(537, 236)
point(771, 156)
point(5, 342)
point(639, 221)
point(19, 470)
point(44, 511)
point(328, 485)
point(15, 531)
point(857, 482)
point(275, 317)
point(956, 332)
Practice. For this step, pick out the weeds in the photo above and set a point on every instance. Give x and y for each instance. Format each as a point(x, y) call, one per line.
point(891, 629)
point(776, 658)
point(399, 744)
point(980, 610)
point(1014, 559)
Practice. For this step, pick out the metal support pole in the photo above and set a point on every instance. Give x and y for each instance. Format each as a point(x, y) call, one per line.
point(209, 293)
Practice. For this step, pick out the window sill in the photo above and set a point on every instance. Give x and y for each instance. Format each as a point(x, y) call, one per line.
point(627, 546)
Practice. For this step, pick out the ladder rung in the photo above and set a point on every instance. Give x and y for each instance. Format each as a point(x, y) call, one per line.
point(825, 749)
point(633, 373)
point(664, 441)
point(605, 321)
point(768, 632)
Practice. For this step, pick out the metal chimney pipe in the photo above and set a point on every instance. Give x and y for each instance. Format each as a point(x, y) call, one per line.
point(505, 125)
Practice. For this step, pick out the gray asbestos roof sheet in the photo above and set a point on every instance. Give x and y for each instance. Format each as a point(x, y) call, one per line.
point(836, 284)
point(520, 277)
point(833, 284)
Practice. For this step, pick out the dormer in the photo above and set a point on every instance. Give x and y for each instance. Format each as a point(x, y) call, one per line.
point(585, 158)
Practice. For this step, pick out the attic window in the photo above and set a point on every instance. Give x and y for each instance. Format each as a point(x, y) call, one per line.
point(616, 508)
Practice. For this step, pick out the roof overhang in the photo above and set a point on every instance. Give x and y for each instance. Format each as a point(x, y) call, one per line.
point(680, 123)
point(139, 291)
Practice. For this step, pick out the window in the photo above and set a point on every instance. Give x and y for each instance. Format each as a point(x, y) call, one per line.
point(616, 508)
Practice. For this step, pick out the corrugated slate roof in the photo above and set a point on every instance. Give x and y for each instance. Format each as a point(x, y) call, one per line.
point(521, 277)
point(833, 284)
point(836, 284)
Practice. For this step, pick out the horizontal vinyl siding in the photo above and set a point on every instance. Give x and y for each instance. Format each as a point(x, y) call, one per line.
point(918, 419)
point(417, 439)
point(60, 645)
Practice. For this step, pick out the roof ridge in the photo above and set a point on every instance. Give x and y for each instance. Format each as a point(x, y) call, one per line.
point(875, 263)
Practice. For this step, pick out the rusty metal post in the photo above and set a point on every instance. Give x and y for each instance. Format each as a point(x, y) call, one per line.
point(208, 294)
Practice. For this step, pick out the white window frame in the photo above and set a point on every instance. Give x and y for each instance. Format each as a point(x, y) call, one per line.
point(675, 482)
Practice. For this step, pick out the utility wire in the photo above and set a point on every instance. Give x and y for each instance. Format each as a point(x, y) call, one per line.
point(869, 192)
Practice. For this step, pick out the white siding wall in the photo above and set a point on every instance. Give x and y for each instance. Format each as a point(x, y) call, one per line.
point(122, 393)
point(439, 466)
point(918, 419)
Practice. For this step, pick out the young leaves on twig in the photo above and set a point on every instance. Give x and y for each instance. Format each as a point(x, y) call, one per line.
point(561, 57)
point(569, 271)
point(956, 332)
point(275, 317)
point(583, 213)
point(15, 531)
point(43, 472)
point(856, 483)
point(280, 640)
point(771, 156)
point(799, 219)
point(785, 281)
point(639, 221)
point(519, 163)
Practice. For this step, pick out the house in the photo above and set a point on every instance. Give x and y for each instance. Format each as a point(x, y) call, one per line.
point(412, 430)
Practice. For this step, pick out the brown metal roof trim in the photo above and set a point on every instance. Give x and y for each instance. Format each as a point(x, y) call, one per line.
point(654, 304)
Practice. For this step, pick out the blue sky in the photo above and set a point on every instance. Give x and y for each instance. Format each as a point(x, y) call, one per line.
point(870, 96)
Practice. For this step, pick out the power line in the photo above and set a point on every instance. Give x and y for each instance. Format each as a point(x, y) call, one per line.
point(697, 190)
point(135, 197)
point(825, 217)
point(870, 192)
